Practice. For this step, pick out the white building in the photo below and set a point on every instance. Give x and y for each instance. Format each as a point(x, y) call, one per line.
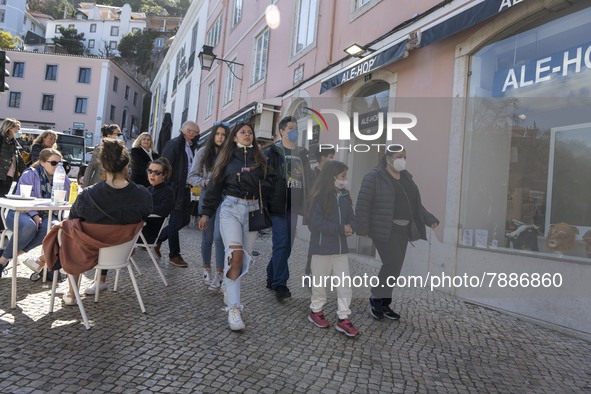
point(16, 20)
point(175, 88)
point(103, 26)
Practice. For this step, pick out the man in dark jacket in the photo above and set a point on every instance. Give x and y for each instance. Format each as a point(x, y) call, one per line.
point(294, 178)
point(179, 151)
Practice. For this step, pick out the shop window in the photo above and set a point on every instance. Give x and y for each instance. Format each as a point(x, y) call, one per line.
point(527, 150)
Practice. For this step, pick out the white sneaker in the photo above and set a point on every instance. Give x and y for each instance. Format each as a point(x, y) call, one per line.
point(234, 319)
point(216, 282)
point(92, 290)
point(207, 276)
point(33, 264)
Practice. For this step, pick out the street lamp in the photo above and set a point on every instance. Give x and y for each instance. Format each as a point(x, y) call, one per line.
point(207, 57)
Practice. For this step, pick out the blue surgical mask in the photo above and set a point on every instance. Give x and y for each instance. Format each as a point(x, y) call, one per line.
point(293, 135)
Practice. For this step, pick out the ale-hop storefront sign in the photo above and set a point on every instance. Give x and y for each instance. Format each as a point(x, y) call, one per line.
point(369, 64)
point(558, 65)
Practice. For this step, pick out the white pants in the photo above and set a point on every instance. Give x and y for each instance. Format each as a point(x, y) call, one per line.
point(324, 266)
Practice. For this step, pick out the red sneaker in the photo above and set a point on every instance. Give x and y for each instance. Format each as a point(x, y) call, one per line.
point(346, 327)
point(318, 319)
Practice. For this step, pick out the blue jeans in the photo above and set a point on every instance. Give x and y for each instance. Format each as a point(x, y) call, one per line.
point(284, 228)
point(28, 235)
point(212, 236)
point(234, 229)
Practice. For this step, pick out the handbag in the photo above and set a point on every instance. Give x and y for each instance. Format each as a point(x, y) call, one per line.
point(261, 218)
point(413, 234)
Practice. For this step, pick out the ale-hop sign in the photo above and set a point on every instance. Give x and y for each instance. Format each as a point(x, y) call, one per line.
point(558, 65)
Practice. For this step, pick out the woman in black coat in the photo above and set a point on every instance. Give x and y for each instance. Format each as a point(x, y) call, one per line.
point(387, 204)
point(142, 153)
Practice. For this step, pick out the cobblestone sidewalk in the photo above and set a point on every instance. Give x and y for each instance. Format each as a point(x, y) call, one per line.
point(182, 344)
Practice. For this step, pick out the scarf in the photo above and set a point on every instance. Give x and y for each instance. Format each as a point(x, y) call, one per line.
point(44, 184)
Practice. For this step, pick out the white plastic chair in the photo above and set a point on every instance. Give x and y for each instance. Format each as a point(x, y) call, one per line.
point(111, 258)
point(150, 249)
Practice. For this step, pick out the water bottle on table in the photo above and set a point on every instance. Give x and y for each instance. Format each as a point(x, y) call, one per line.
point(58, 191)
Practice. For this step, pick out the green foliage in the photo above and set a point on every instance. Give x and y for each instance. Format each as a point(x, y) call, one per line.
point(55, 8)
point(71, 41)
point(137, 48)
point(7, 41)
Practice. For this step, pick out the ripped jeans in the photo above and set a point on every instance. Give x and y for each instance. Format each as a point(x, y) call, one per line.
point(234, 229)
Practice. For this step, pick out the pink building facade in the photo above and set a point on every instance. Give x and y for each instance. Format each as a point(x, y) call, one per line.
point(76, 94)
point(498, 90)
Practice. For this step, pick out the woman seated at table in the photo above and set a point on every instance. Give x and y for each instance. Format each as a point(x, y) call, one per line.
point(162, 197)
point(115, 200)
point(32, 225)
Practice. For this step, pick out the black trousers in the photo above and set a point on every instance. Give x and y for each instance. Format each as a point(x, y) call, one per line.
point(392, 254)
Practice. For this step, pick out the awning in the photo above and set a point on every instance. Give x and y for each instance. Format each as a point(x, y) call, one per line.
point(242, 115)
point(455, 23)
point(365, 66)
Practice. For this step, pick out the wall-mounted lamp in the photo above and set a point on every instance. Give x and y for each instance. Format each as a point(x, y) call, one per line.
point(207, 57)
point(357, 50)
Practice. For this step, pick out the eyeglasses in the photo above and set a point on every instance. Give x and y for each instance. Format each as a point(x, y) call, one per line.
point(54, 163)
point(155, 172)
point(225, 124)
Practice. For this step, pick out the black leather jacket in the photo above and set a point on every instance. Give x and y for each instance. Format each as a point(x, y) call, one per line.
point(10, 148)
point(241, 179)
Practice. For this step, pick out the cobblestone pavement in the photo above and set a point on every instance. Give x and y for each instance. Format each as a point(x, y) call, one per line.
point(182, 344)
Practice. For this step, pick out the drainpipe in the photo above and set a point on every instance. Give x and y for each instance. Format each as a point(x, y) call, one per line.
point(331, 34)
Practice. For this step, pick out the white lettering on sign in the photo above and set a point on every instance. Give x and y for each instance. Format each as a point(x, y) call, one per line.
point(359, 70)
point(543, 69)
point(508, 3)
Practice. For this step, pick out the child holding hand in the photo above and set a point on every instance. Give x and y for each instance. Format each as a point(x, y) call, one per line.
point(331, 221)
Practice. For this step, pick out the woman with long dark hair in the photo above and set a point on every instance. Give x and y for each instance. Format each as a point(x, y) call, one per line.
point(11, 163)
point(242, 175)
point(94, 170)
point(203, 165)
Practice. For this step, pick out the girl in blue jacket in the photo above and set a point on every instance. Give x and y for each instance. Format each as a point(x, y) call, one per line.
point(331, 222)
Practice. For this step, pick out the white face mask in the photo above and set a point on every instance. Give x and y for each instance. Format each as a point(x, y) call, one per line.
point(340, 184)
point(398, 164)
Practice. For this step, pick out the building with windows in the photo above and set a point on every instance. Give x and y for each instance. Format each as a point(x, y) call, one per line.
point(103, 26)
point(175, 88)
point(19, 22)
point(489, 98)
point(76, 94)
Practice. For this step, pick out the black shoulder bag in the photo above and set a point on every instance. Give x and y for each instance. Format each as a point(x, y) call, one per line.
point(413, 234)
point(259, 219)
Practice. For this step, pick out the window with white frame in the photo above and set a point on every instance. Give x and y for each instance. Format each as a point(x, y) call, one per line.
point(57, 28)
point(114, 31)
point(306, 16)
point(14, 100)
point(230, 83)
point(127, 91)
point(159, 42)
point(2, 2)
point(194, 37)
point(90, 44)
point(84, 75)
point(112, 113)
point(260, 56)
point(360, 3)
point(112, 44)
point(51, 72)
point(213, 36)
point(18, 70)
point(2, 12)
point(210, 96)
point(93, 27)
point(236, 12)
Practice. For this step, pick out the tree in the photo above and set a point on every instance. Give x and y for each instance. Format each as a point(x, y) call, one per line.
point(71, 41)
point(7, 41)
point(136, 47)
point(55, 8)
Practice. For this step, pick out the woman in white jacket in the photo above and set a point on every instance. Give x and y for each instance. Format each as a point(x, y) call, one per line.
point(201, 170)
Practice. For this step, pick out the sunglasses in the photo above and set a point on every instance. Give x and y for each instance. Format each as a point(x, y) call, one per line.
point(225, 124)
point(155, 172)
point(54, 163)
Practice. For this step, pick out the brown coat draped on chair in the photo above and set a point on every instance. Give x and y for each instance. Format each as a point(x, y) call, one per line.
point(81, 242)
